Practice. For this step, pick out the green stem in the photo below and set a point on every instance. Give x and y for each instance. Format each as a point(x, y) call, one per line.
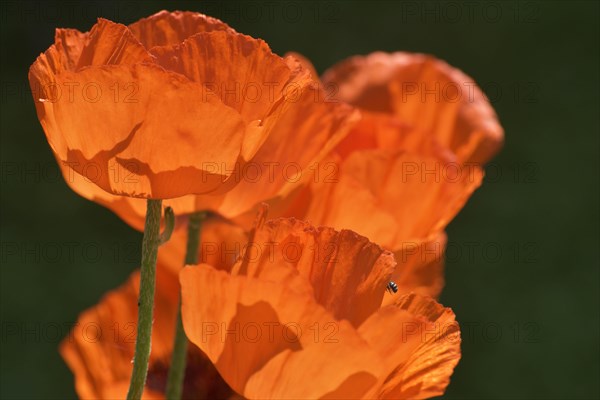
point(150, 245)
point(194, 225)
point(178, 359)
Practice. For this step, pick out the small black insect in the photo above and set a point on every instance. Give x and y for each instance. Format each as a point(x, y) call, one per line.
point(392, 287)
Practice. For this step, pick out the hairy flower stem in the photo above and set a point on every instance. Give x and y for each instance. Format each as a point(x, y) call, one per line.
point(150, 245)
point(178, 359)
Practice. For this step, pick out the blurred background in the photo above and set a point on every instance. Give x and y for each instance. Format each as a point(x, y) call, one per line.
point(522, 268)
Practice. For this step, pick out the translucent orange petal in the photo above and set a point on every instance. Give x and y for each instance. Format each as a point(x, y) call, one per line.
point(420, 341)
point(274, 339)
point(242, 72)
point(413, 233)
point(394, 197)
point(420, 267)
point(264, 322)
point(170, 28)
point(300, 134)
point(277, 167)
point(109, 43)
point(66, 55)
point(115, 144)
point(385, 131)
point(427, 95)
point(70, 43)
point(347, 273)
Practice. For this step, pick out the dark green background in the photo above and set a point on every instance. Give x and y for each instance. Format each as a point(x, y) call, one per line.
point(522, 275)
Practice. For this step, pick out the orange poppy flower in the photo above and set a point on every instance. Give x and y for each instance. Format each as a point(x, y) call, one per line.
point(299, 317)
point(100, 348)
point(408, 166)
point(179, 104)
point(399, 199)
point(406, 98)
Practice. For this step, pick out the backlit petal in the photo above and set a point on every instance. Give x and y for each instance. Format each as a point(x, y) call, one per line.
point(427, 94)
point(170, 28)
point(242, 72)
point(301, 133)
point(70, 43)
point(420, 268)
point(114, 143)
point(394, 197)
point(421, 343)
point(109, 43)
point(274, 341)
point(346, 272)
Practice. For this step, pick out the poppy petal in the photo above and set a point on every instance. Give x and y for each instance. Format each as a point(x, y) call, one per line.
point(420, 268)
point(109, 43)
point(70, 44)
point(275, 170)
point(308, 123)
point(407, 197)
point(425, 93)
point(386, 131)
point(347, 273)
point(170, 28)
point(242, 72)
point(99, 137)
point(216, 305)
point(420, 340)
